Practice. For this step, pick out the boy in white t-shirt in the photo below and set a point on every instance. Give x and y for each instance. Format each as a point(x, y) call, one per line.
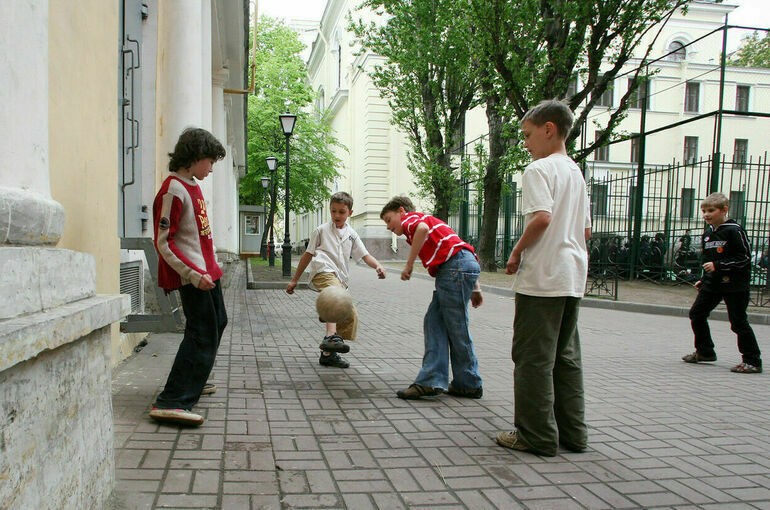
point(328, 251)
point(551, 263)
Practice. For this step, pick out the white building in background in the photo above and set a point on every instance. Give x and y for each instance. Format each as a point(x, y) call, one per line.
point(683, 86)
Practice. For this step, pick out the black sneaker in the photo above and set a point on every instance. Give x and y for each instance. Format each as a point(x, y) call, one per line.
point(333, 360)
point(334, 343)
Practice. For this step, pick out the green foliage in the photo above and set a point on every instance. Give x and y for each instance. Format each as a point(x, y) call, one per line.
point(537, 47)
point(427, 82)
point(280, 84)
point(754, 52)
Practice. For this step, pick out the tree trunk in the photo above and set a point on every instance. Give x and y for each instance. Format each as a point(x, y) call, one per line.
point(493, 185)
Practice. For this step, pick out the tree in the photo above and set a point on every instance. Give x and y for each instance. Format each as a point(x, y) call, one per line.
point(428, 84)
point(537, 48)
point(754, 52)
point(280, 85)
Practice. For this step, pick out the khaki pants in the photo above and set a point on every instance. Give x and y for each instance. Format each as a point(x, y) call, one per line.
point(347, 329)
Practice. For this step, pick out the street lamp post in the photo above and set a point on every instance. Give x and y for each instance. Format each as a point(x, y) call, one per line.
point(263, 247)
point(287, 124)
point(272, 164)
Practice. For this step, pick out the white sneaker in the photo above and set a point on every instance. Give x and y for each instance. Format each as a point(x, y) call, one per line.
point(209, 388)
point(181, 416)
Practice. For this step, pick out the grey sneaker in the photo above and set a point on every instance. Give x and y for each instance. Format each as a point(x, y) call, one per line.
point(181, 416)
point(208, 389)
point(696, 357)
point(511, 440)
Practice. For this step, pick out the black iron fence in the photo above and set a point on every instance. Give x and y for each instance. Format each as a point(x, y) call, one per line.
point(665, 248)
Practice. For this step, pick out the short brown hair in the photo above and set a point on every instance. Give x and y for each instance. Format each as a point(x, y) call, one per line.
point(551, 110)
point(396, 202)
point(342, 198)
point(718, 200)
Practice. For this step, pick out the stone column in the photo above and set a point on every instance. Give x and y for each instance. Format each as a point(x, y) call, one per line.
point(225, 225)
point(55, 385)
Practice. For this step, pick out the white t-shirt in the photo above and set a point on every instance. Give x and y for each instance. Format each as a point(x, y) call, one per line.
point(557, 263)
point(332, 248)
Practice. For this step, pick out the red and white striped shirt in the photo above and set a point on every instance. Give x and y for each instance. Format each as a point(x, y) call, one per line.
point(441, 243)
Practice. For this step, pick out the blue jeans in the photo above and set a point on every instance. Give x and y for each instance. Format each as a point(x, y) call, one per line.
point(206, 321)
point(446, 327)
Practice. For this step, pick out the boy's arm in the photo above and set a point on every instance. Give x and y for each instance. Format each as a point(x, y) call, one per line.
point(740, 252)
point(304, 260)
point(373, 263)
point(535, 228)
point(418, 239)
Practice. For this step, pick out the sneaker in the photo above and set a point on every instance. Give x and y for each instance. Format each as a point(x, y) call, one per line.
point(511, 440)
point(333, 360)
point(696, 357)
point(415, 391)
point(474, 393)
point(745, 368)
point(334, 343)
point(208, 389)
point(181, 416)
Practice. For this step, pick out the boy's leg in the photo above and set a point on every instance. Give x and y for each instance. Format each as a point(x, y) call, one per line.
point(737, 302)
point(221, 314)
point(435, 361)
point(454, 285)
point(332, 343)
point(536, 328)
point(569, 398)
point(196, 353)
point(704, 303)
point(348, 329)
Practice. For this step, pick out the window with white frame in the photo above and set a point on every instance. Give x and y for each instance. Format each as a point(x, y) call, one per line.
point(690, 149)
point(740, 152)
point(742, 98)
point(692, 97)
point(601, 153)
point(677, 51)
point(639, 97)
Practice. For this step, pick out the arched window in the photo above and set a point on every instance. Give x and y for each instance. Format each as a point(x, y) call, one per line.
point(679, 51)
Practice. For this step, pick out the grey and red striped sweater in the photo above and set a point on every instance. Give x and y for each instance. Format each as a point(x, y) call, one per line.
point(183, 234)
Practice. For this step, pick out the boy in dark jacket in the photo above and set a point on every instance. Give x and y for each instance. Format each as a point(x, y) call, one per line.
point(726, 275)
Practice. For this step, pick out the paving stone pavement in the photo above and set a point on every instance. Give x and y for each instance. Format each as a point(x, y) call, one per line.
point(284, 432)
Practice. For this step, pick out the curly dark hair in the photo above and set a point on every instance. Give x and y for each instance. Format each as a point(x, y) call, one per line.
point(194, 144)
point(396, 202)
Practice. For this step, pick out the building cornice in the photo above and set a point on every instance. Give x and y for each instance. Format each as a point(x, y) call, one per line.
point(339, 99)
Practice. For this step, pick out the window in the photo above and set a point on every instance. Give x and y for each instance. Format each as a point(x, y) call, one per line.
point(737, 206)
point(740, 152)
point(677, 51)
point(598, 199)
point(339, 66)
point(606, 98)
point(635, 148)
point(687, 210)
point(690, 149)
point(639, 97)
point(251, 224)
point(742, 98)
point(692, 97)
point(601, 153)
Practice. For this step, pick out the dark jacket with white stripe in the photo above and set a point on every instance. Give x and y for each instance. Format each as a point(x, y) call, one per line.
point(729, 249)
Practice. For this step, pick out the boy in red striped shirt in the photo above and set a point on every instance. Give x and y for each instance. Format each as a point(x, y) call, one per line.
point(453, 263)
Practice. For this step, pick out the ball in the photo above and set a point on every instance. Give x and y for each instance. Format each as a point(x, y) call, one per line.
point(334, 304)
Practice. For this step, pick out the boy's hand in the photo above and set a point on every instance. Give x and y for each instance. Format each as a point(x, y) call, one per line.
point(698, 284)
point(206, 283)
point(290, 287)
point(380, 272)
point(406, 273)
point(709, 267)
point(476, 298)
point(513, 262)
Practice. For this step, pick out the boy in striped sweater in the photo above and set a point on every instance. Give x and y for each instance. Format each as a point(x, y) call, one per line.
point(453, 263)
point(187, 262)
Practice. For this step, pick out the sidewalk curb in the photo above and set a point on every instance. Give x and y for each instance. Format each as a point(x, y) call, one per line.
point(251, 284)
point(628, 306)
